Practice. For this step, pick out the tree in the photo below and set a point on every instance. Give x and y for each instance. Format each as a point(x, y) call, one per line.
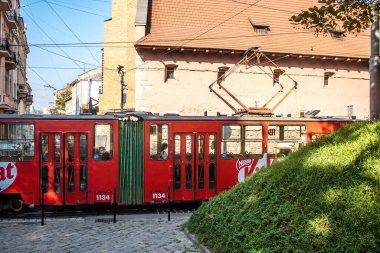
point(350, 16)
point(353, 16)
point(60, 102)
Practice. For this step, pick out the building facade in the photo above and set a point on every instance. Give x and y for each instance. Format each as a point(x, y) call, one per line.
point(15, 92)
point(84, 89)
point(173, 51)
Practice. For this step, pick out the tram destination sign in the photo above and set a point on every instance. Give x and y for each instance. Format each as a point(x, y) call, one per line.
point(10, 146)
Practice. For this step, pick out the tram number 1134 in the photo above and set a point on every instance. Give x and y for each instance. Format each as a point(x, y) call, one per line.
point(159, 196)
point(103, 197)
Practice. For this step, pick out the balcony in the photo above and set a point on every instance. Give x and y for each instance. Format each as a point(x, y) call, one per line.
point(21, 23)
point(5, 48)
point(22, 91)
point(11, 61)
point(29, 100)
point(7, 104)
point(12, 19)
point(5, 5)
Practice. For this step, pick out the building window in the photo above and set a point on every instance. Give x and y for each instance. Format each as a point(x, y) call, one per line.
point(276, 75)
point(328, 78)
point(221, 72)
point(259, 28)
point(337, 34)
point(350, 111)
point(101, 88)
point(170, 71)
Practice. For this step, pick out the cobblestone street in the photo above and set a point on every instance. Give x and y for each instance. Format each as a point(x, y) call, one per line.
point(131, 233)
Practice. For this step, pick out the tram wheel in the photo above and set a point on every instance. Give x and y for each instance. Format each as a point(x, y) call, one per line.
point(16, 205)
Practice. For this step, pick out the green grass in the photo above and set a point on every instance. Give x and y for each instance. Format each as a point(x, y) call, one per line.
point(323, 198)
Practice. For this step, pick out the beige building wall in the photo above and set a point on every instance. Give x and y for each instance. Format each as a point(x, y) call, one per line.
point(119, 34)
point(15, 92)
point(188, 93)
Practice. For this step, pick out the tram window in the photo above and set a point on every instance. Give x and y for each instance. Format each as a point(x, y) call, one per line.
point(57, 179)
point(45, 148)
point(45, 179)
point(283, 139)
point(57, 148)
point(83, 148)
point(231, 141)
point(71, 148)
point(244, 141)
point(253, 141)
point(71, 181)
point(159, 142)
point(212, 176)
point(201, 176)
point(177, 148)
point(211, 147)
point(189, 181)
point(83, 178)
point(201, 149)
point(103, 142)
point(16, 142)
point(177, 177)
point(189, 148)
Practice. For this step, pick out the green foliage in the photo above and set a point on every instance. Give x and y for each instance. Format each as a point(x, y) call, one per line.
point(323, 198)
point(60, 102)
point(353, 16)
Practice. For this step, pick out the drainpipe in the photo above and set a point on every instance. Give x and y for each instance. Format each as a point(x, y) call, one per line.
point(374, 66)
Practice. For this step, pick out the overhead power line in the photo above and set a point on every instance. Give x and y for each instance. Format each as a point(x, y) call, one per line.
point(68, 27)
point(76, 9)
point(50, 38)
point(101, 44)
point(42, 79)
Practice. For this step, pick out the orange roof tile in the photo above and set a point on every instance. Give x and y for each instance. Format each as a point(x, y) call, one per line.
point(224, 24)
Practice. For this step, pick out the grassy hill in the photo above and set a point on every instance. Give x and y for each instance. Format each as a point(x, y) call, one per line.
point(323, 198)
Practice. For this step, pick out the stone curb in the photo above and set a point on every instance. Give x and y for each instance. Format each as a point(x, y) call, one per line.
point(194, 240)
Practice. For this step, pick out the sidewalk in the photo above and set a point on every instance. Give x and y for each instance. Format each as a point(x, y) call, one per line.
point(131, 233)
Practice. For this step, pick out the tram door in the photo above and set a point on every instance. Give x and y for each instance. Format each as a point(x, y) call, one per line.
point(64, 167)
point(194, 175)
point(76, 168)
point(51, 168)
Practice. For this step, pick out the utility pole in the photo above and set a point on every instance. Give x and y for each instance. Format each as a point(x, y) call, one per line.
point(122, 86)
point(77, 107)
point(89, 99)
point(374, 66)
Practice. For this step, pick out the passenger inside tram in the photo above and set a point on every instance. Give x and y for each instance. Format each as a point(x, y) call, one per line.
point(164, 152)
point(101, 154)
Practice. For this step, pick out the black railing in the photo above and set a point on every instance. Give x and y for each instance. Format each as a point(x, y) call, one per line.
point(12, 16)
point(11, 58)
point(29, 99)
point(5, 45)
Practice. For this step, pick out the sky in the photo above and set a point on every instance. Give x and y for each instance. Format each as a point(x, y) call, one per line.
point(65, 38)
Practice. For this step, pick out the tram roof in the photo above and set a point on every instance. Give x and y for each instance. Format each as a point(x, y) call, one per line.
point(56, 117)
point(170, 117)
point(173, 117)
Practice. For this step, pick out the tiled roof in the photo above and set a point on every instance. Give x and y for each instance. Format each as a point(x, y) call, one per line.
point(224, 24)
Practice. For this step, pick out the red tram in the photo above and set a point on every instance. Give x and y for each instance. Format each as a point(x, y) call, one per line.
point(78, 160)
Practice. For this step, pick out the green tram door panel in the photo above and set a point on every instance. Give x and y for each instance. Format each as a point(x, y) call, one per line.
point(131, 152)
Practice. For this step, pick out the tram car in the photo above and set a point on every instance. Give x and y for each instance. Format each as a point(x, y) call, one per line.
point(80, 160)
